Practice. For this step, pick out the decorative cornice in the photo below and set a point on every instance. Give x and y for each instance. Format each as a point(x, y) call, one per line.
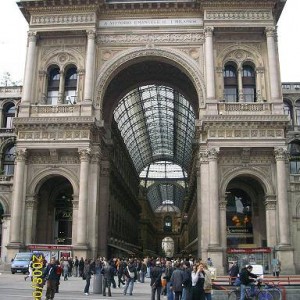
point(239, 15)
point(163, 38)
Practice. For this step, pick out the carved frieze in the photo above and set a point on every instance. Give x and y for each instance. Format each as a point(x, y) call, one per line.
point(157, 38)
point(239, 15)
point(57, 135)
point(219, 133)
point(43, 158)
point(63, 19)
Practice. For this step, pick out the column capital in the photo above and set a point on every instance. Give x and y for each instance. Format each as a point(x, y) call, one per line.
point(271, 31)
point(213, 153)
point(223, 203)
point(31, 202)
point(91, 34)
point(280, 153)
point(208, 31)
point(21, 155)
point(203, 157)
point(32, 36)
point(84, 154)
point(270, 204)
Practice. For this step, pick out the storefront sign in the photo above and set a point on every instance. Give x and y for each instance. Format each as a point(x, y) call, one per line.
point(239, 230)
point(249, 250)
point(49, 247)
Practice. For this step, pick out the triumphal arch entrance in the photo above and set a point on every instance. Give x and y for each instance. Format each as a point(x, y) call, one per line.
point(152, 128)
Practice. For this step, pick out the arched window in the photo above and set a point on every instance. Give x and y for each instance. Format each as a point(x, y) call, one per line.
point(298, 112)
point(230, 83)
point(53, 85)
point(168, 224)
point(71, 85)
point(288, 110)
point(9, 111)
point(249, 85)
point(294, 151)
point(8, 161)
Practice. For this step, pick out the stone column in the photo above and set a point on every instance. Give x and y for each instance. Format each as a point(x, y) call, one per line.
point(214, 233)
point(223, 222)
point(89, 66)
point(259, 75)
point(94, 203)
point(29, 67)
point(43, 76)
point(18, 197)
point(202, 207)
point(83, 197)
point(275, 84)
point(270, 204)
point(240, 84)
point(282, 203)
point(61, 89)
point(74, 218)
point(5, 237)
point(209, 63)
point(30, 206)
point(103, 207)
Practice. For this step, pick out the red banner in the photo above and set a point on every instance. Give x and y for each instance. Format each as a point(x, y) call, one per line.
point(249, 250)
point(49, 247)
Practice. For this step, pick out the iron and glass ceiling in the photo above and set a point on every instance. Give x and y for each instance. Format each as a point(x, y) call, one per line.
point(158, 124)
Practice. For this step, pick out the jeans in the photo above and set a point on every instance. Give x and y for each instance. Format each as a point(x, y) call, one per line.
point(142, 276)
point(170, 294)
point(208, 296)
point(87, 286)
point(129, 286)
point(156, 291)
point(243, 289)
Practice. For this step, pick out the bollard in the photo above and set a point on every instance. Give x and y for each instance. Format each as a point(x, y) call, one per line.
point(98, 281)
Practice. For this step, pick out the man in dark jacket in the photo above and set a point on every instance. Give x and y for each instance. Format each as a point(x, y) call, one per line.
point(155, 282)
point(108, 275)
point(247, 279)
point(168, 273)
point(51, 277)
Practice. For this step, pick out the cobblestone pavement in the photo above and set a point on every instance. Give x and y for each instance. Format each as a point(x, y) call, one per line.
point(15, 287)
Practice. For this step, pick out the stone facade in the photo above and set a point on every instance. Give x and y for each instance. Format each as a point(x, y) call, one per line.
point(70, 155)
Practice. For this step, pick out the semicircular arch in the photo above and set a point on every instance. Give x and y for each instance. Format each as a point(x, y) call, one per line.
point(45, 174)
point(255, 173)
point(124, 59)
point(5, 204)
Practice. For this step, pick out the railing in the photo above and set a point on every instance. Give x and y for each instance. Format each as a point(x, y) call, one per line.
point(244, 107)
point(6, 178)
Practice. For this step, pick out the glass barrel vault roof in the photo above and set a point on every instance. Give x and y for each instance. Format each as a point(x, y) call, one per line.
point(158, 124)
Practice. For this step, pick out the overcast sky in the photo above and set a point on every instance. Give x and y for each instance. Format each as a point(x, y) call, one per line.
point(13, 36)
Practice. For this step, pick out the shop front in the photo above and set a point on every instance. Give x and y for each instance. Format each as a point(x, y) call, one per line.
point(52, 251)
point(250, 256)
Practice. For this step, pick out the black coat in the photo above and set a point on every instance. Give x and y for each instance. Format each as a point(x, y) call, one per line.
point(155, 276)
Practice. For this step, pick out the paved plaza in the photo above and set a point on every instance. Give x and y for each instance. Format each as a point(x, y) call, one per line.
point(15, 287)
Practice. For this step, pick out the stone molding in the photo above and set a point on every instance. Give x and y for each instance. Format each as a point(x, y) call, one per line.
point(238, 15)
point(63, 19)
point(142, 38)
point(124, 57)
point(280, 153)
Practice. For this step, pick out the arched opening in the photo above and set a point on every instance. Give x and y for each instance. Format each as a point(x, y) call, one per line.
point(70, 85)
point(55, 212)
point(8, 160)
point(230, 82)
point(168, 246)
point(152, 104)
point(9, 111)
point(53, 85)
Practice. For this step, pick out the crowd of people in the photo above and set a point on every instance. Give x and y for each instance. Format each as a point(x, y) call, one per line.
point(177, 279)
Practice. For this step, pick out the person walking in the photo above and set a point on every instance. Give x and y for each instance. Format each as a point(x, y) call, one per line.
point(65, 266)
point(130, 275)
point(155, 281)
point(176, 281)
point(143, 271)
point(168, 273)
point(87, 275)
point(108, 274)
point(76, 265)
point(81, 266)
point(30, 270)
point(51, 277)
